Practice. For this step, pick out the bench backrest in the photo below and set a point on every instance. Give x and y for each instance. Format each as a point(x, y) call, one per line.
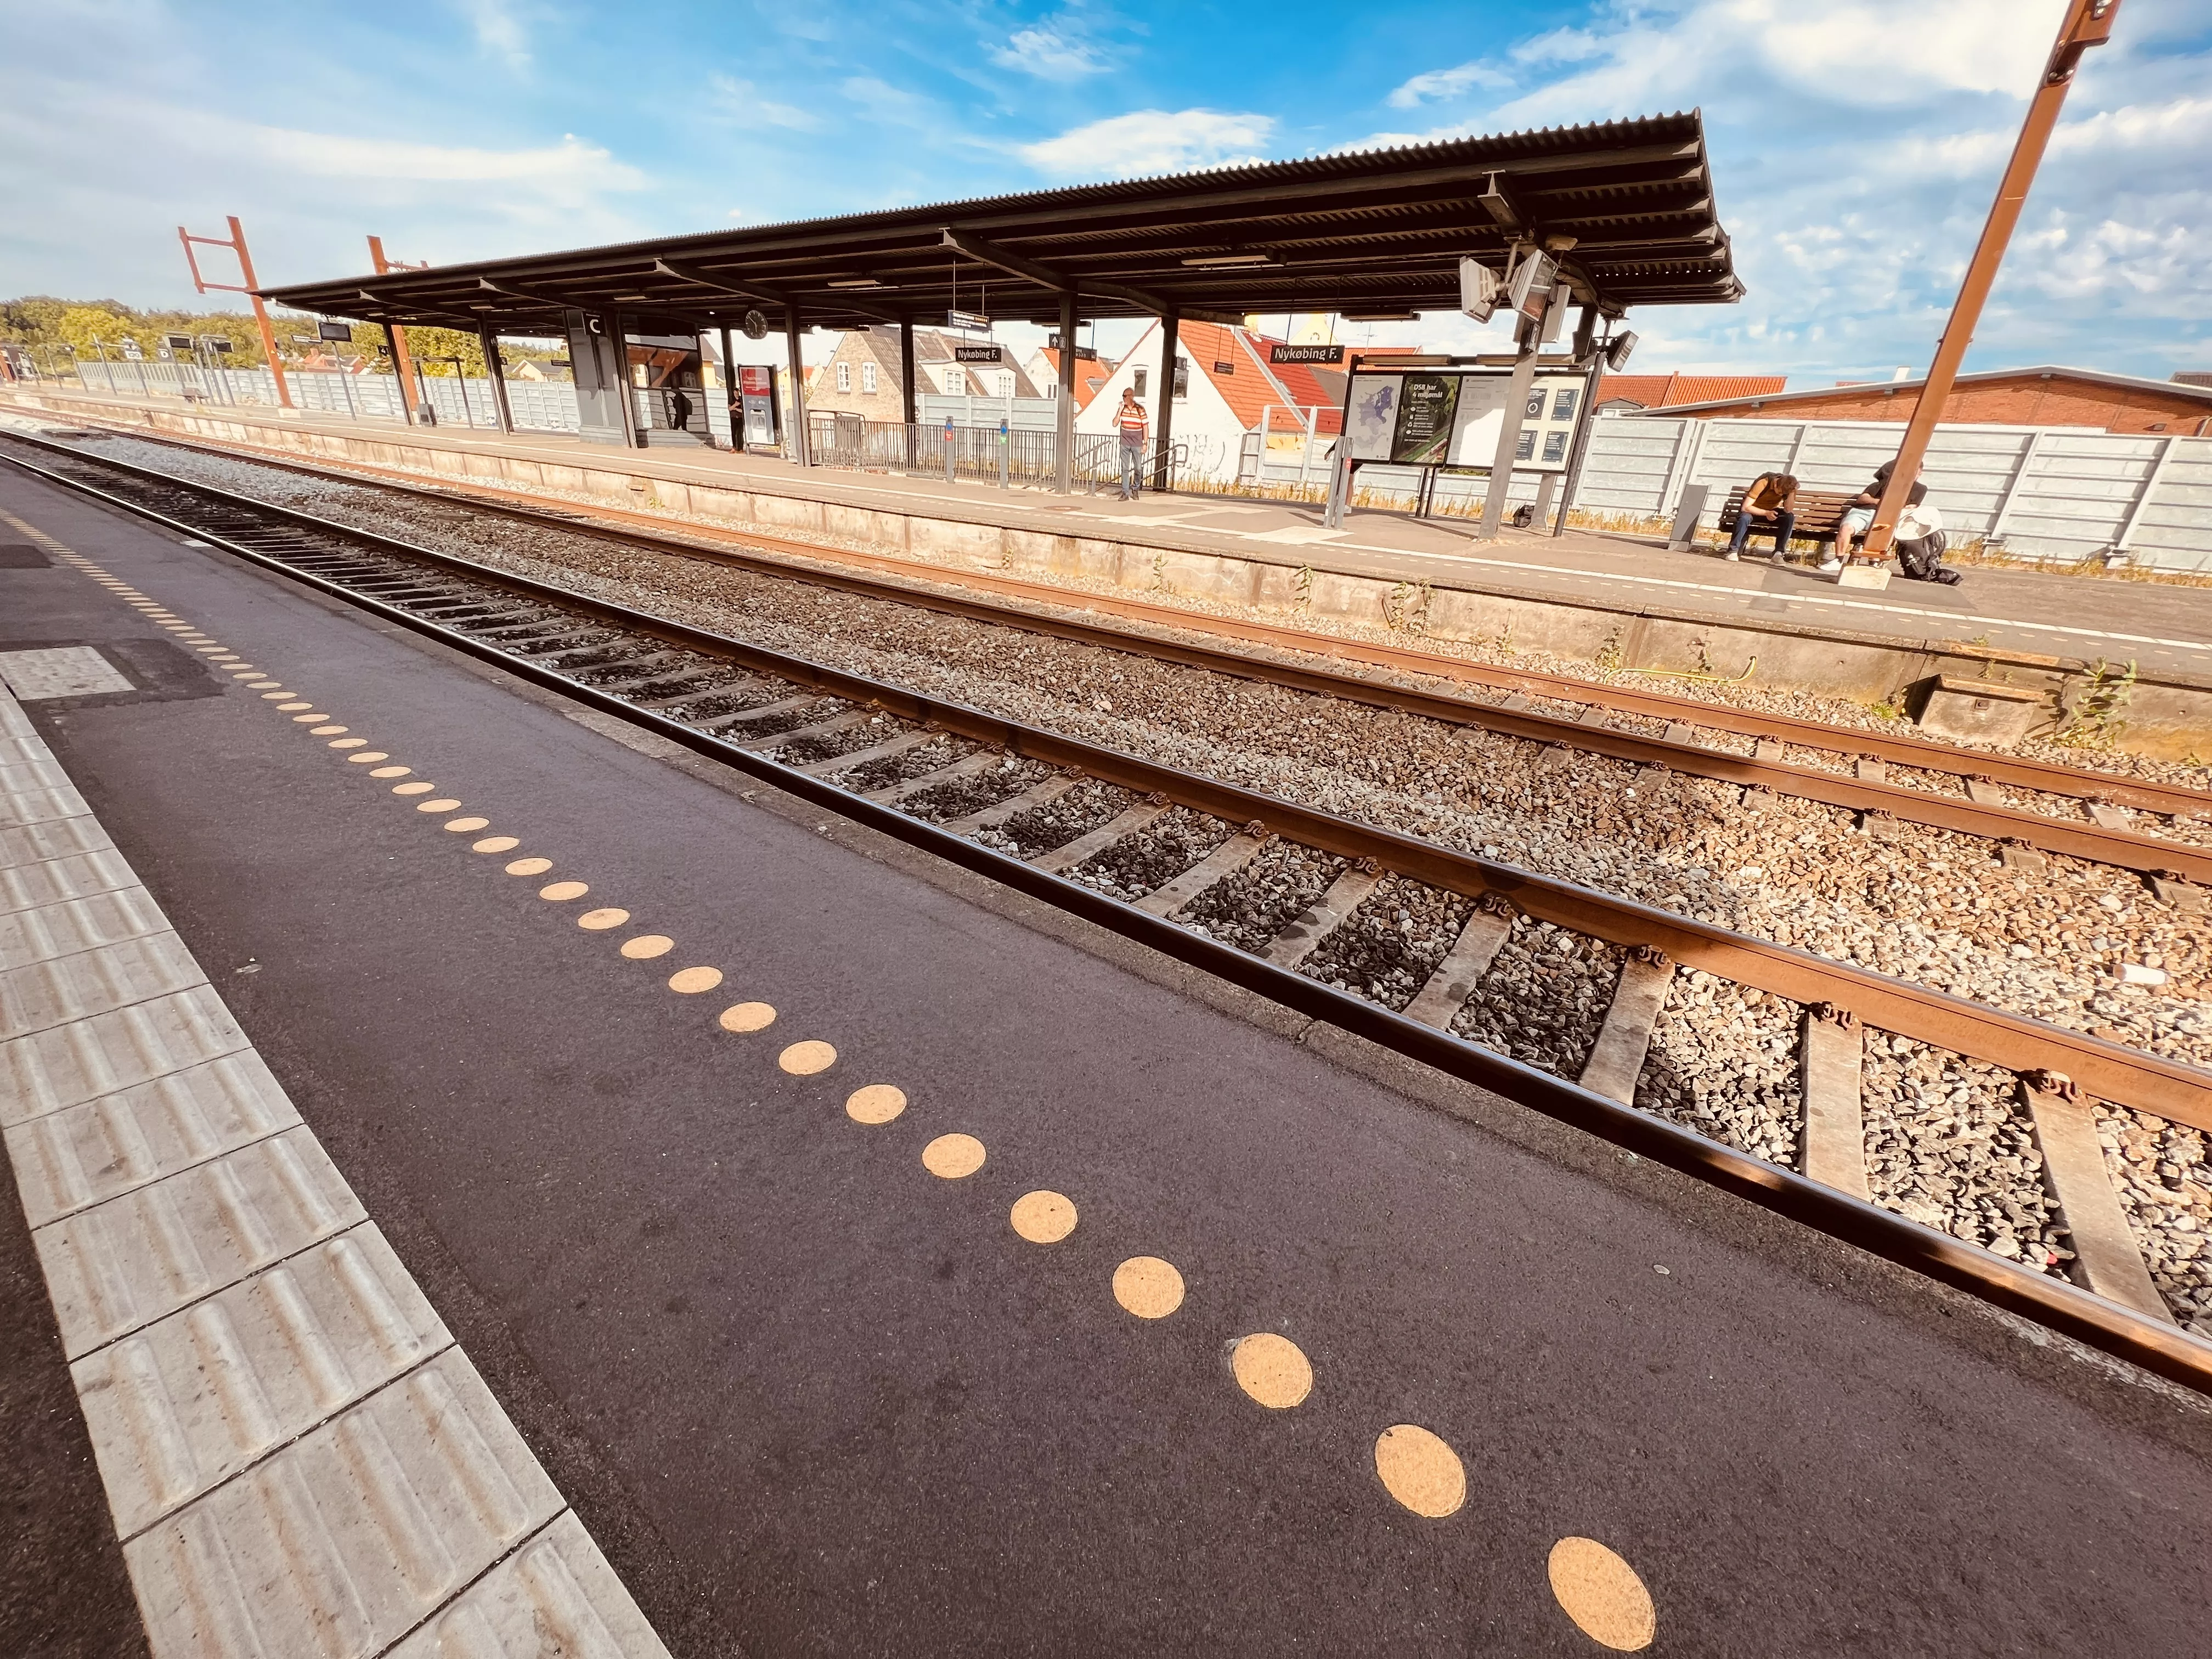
point(1818, 513)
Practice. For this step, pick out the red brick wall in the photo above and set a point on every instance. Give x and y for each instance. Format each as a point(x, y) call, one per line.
point(2022, 400)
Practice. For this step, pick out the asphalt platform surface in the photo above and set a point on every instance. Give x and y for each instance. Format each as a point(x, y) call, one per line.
point(811, 1398)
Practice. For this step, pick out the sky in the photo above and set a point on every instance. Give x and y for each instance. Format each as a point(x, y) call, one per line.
point(1856, 144)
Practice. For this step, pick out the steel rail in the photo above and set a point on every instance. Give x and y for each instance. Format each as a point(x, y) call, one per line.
point(2094, 842)
point(2156, 1346)
point(2125, 1075)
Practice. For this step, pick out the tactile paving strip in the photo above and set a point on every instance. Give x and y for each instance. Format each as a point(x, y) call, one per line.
point(298, 1459)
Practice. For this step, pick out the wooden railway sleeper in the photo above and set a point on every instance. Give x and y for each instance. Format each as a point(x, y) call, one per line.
point(2106, 1258)
point(1616, 1060)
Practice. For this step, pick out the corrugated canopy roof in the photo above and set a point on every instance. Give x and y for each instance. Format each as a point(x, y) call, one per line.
point(1360, 233)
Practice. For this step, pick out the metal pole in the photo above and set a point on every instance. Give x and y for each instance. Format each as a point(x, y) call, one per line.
point(1509, 432)
point(502, 412)
point(1064, 414)
point(800, 448)
point(2088, 24)
point(395, 336)
point(260, 312)
point(1163, 428)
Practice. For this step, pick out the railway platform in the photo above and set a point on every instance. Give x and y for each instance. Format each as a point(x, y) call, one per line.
point(831, 1252)
point(1623, 598)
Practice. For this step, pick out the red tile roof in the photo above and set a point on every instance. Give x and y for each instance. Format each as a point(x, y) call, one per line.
point(1090, 374)
point(1665, 390)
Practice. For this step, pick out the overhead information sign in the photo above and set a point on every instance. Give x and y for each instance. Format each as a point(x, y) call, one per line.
point(974, 321)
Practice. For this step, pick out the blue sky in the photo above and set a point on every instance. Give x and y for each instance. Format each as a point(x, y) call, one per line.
point(1856, 143)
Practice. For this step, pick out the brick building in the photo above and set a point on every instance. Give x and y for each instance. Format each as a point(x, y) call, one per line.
point(2010, 397)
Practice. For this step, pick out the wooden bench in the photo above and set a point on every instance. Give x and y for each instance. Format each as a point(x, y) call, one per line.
point(1819, 516)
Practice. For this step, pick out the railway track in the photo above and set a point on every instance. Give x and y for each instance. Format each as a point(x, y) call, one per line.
point(2128, 823)
point(1162, 855)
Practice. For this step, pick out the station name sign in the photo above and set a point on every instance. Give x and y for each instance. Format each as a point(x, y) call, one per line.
point(1305, 354)
point(978, 354)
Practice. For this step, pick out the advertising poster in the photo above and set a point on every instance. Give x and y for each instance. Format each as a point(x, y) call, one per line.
point(1478, 419)
point(1425, 419)
point(1374, 415)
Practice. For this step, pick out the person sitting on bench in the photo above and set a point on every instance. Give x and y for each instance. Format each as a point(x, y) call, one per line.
point(1768, 505)
point(1858, 515)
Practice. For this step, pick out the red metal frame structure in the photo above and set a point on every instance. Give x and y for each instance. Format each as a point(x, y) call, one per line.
point(401, 367)
point(2088, 24)
point(236, 242)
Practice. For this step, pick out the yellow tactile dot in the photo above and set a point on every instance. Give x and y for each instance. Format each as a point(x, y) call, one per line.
point(953, 1156)
point(1602, 1595)
point(747, 1016)
point(210, 650)
point(355, 743)
point(1273, 1369)
point(879, 1103)
point(806, 1058)
point(646, 946)
point(283, 700)
point(529, 867)
point(600, 921)
point(690, 981)
point(369, 758)
point(463, 826)
point(559, 891)
point(417, 788)
point(495, 844)
point(261, 685)
point(438, 805)
point(1148, 1287)
point(309, 720)
point(1043, 1217)
point(1420, 1471)
point(328, 731)
point(287, 707)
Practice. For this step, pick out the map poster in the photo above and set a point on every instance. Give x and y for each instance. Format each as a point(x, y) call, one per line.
point(1424, 420)
point(1373, 417)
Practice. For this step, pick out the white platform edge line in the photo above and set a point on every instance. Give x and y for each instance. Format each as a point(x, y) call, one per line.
point(12, 712)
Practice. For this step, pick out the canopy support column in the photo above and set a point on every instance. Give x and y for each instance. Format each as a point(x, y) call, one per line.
point(797, 413)
point(488, 338)
point(1509, 432)
point(1064, 411)
point(1163, 428)
point(730, 398)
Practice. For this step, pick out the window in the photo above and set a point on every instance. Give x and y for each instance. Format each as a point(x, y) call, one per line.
point(1051, 389)
point(1182, 377)
point(1005, 380)
point(1526, 450)
point(1140, 377)
point(1555, 445)
point(868, 379)
point(1563, 402)
point(844, 376)
point(955, 383)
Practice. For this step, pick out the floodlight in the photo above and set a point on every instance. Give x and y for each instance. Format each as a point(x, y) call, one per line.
point(1531, 284)
point(1478, 289)
point(1617, 351)
point(1555, 313)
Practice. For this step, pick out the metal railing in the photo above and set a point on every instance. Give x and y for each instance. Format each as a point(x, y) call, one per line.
point(975, 454)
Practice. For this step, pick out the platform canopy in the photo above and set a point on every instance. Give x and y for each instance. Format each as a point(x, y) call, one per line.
point(1375, 233)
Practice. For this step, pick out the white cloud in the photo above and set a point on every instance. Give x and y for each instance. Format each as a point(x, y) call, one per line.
point(1148, 141)
point(734, 100)
point(1448, 83)
point(499, 30)
point(1048, 53)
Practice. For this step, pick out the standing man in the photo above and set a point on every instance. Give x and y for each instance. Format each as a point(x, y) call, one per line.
point(1134, 424)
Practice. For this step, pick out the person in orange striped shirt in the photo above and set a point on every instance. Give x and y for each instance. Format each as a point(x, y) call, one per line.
point(1133, 423)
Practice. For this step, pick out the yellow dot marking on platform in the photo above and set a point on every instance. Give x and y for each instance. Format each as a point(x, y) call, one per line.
point(330, 732)
point(559, 891)
point(417, 788)
point(495, 844)
point(879, 1103)
point(690, 981)
point(263, 684)
point(646, 946)
point(309, 720)
point(282, 697)
point(1043, 1217)
point(1148, 1287)
point(599, 921)
point(806, 1058)
point(287, 707)
point(529, 867)
point(747, 1016)
point(1602, 1595)
point(463, 826)
point(372, 757)
point(1273, 1369)
point(1420, 1471)
point(212, 651)
point(952, 1156)
point(441, 805)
